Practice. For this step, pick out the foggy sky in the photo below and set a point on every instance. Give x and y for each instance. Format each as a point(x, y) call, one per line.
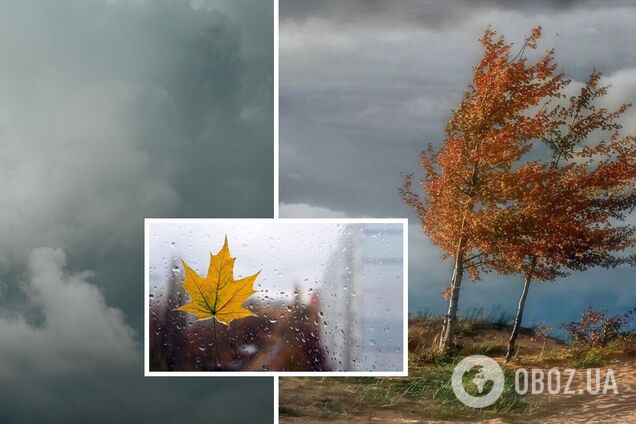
point(365, 85)
point(112, 111)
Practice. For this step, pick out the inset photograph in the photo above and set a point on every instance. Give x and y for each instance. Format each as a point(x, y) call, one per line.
point(263, 296)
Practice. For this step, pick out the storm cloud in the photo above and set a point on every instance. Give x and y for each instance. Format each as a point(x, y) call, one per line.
point(366, 85)
point(429, 13)
point(112, 111)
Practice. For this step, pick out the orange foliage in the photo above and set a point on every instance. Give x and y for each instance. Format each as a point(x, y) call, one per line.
point(469, 179)
point(489, 208)
point(565, 213)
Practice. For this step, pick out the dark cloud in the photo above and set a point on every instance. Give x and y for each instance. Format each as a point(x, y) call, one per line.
point(366, 85)
point(429, 13)
point(370, 12)
point(112, 111)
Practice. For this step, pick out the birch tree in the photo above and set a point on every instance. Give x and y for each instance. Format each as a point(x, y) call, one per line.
point(502, 111)
point(569, 213)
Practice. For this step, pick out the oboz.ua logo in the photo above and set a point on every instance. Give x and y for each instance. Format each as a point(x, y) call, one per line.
point(485, 378)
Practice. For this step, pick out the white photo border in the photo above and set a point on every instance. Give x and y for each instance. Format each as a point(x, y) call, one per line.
point(281, 221)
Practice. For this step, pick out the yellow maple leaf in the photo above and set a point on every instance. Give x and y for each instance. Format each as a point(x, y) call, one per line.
point(218, 295)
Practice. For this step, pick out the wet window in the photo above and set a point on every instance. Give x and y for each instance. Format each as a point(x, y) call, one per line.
point(329, 297)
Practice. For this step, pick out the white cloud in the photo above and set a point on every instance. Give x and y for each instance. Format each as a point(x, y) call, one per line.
point(77, 182)
point(304, 210)
point(623, 90)
point(78, 332)
point(80, 363)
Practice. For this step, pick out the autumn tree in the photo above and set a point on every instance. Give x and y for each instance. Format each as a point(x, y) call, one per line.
point(502, 111)
point(567, 213)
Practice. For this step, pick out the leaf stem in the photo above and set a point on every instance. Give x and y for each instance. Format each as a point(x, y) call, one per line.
point(216, 345)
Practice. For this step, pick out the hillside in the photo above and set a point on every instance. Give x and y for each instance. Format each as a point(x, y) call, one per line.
point(426, 396)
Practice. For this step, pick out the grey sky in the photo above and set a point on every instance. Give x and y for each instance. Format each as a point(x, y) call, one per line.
point(365, 85)
point(112, 111)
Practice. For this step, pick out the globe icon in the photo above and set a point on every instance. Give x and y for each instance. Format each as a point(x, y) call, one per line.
point(480, 380)
point(487, 370)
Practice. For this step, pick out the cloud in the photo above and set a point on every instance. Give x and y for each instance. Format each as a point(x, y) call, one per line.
point(77, 332)
point(623, 90)
point(80, 180)
point(112, 111)
point(428, 13)
point(70, 357)
point(302, 210)
point(115, 111)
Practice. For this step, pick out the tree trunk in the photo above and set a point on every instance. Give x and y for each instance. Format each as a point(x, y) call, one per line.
point(522, 303)
point(450, 320)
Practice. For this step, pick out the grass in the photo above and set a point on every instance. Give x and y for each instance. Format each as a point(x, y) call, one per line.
point(427, 391)
point(583, 356)
point(594, 357)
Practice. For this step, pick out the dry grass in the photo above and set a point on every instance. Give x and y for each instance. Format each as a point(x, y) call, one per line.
point(427, 391)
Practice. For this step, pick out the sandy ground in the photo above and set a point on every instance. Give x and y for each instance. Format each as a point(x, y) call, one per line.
point(579, 408)
point(608, 408)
